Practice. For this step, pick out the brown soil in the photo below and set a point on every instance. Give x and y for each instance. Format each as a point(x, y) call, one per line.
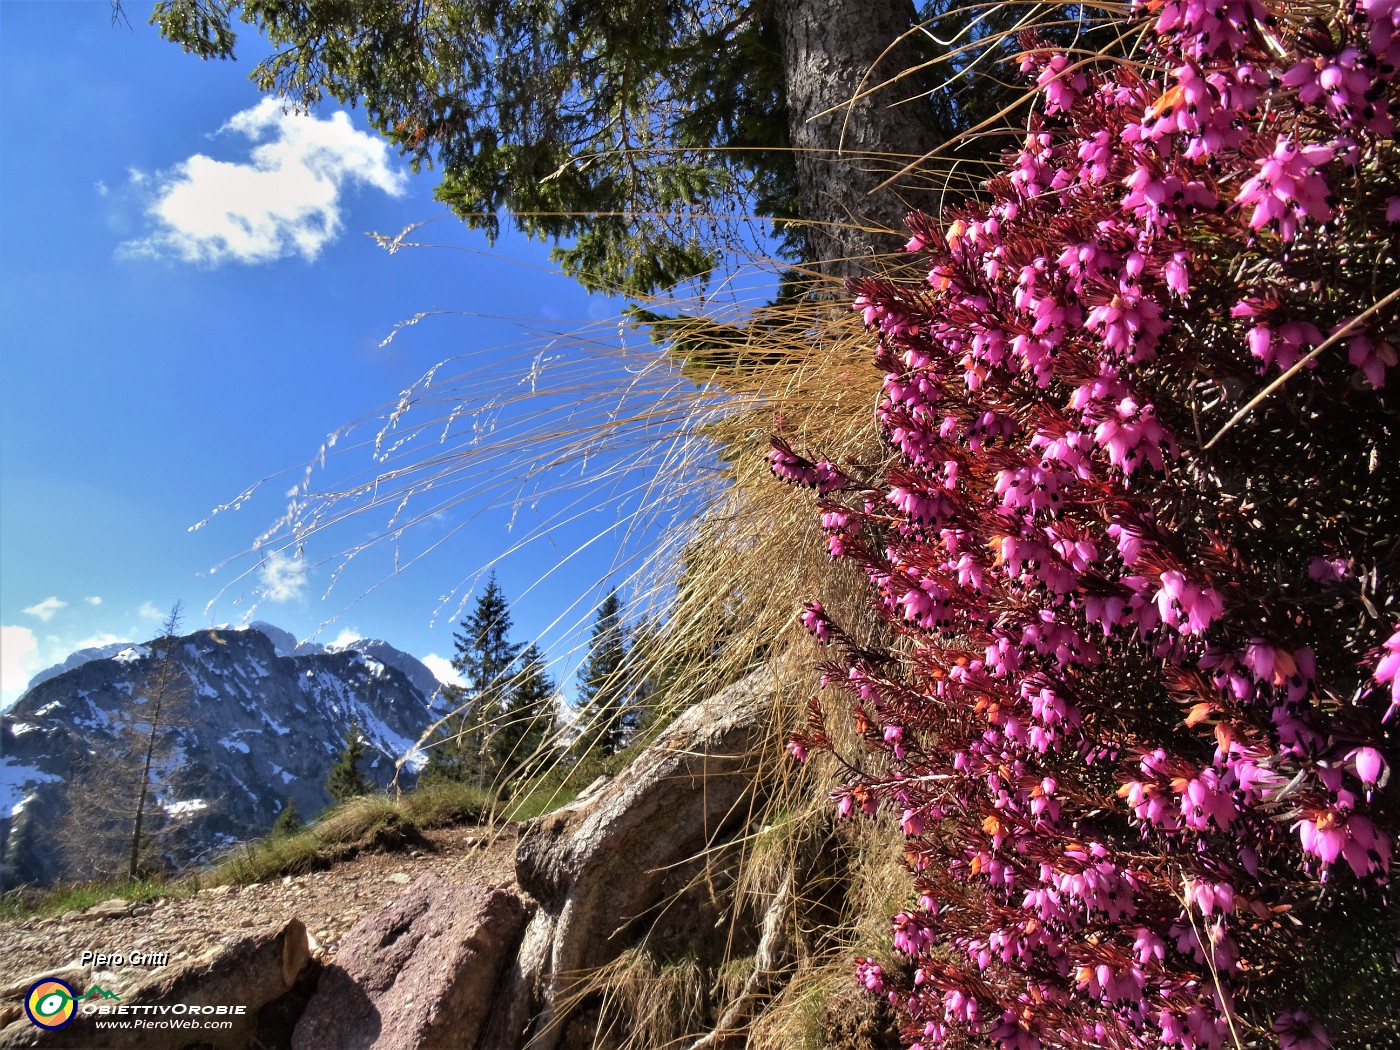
point(329, 902)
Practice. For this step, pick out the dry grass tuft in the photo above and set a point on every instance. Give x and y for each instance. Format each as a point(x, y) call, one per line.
point(646, 1003)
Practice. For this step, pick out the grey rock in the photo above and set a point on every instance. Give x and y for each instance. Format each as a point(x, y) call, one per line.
point(255, 971)
point(74, 974)
point(419, 974)
point(602, 864)
point(116, 908)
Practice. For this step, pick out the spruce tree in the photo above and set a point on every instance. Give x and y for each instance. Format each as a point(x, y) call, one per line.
point(486, 659)
point(447, 754)
point(345, 779)
point(529, 720)
point(606, 710)
point(289, 821)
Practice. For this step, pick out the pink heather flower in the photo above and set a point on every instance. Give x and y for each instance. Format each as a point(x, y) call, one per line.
point(828, 477)
point(911, 936)
point(1288, 187)
point(894, 736)
point(870, 975)
point(1370, 766)
point(1387, 671)
point(959, 1006)
point(1296, 1030)
point(1019, 526)
point(1284, 345)
point(1329, 570)
point(814, 619)
point(1331, 833)
point(797, 749)
point(1211, 896)
point(923, 507)
point(1130, 323)
point(1187, 606)
point(1177, 276)
point(1344, 84)
point(1373, 357)
point(1097, 154)
point(790, 467)
point(1061, 92)
point(869, 311)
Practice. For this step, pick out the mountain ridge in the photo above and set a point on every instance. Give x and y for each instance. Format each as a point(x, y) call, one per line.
point(264, 725)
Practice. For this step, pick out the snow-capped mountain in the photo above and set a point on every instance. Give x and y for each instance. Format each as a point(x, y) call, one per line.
point(260, 720)
point(77, 659)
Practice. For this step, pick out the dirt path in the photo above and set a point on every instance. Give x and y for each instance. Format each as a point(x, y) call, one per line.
point(328, 902)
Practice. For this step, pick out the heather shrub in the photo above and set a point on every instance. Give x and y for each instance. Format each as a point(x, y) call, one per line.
point(1137, 543)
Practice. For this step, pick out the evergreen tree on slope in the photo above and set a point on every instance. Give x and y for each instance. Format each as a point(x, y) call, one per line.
point(523, 740)
point(345, 780)
point(486, 659)
point(606, 711)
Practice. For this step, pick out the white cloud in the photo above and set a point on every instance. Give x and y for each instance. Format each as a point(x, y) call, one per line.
point(19, 662)
point(443, 670)
point(101, 188)
point(93, 599)
point(23, 654)
point(345, 637)
point(283, 578)
point(148, 611)
point(284, 200)
point(46, 609)
point(92, 642)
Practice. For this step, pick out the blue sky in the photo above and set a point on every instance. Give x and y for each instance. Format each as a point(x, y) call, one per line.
point(190, 303)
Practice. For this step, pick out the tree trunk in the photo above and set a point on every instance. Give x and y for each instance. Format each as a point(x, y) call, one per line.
point(843, 154)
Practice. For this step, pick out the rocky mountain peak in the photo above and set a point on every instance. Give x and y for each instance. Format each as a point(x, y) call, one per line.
point(253, 719)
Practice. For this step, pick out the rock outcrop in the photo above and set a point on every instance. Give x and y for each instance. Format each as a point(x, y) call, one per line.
point(419, 974)
point(618, 867)
point(255, 972)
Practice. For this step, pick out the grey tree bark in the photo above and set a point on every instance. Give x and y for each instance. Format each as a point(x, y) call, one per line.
point(846, 146)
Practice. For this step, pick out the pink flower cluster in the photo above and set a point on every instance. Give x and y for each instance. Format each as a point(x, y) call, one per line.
point(1120, 749)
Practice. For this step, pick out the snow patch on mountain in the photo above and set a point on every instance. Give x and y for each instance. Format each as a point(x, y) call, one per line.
point(17, 780)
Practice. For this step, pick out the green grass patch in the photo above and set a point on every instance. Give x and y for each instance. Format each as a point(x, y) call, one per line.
point(443, 803)
point(270, 858)
point(26, 902)
point(537, 799)
point(360, 824)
